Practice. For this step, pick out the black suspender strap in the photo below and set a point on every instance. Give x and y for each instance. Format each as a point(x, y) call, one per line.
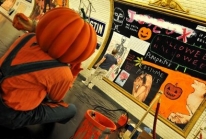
point(8, 70)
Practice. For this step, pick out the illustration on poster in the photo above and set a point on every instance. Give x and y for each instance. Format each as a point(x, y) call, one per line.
point(192, 103)
point(118, 18)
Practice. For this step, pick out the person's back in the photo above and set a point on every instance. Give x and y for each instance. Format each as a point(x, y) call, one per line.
point(102, 67)
point(109, 61)
point(36, 97)
point(26, 91)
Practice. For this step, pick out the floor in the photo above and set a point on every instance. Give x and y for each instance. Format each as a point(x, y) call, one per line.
point(84, 99)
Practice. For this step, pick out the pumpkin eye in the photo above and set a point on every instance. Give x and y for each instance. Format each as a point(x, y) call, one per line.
point(168, 88)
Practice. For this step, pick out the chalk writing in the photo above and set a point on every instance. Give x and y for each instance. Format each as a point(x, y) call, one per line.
point(159, 24)
point(154, 71)
point(182, 54)
point(201, 38)
point(156, 59)
point(131, 27)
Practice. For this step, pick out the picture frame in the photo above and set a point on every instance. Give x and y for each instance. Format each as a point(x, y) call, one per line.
point(137, 61)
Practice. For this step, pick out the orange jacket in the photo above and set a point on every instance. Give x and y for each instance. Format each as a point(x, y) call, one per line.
point(26, 91)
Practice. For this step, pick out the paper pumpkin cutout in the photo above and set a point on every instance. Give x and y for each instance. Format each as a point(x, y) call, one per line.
point(144, 33)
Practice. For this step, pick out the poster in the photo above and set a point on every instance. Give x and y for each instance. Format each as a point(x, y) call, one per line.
point(164, 53)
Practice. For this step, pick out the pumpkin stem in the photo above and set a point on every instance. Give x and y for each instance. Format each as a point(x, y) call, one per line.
point(84, 14)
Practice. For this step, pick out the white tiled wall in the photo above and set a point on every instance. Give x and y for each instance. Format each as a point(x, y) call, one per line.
point(100, 10)
point(197, 8)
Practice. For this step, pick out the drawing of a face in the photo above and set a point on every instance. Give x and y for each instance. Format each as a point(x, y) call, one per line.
point(123, 40)
point(123, 76)
point(118, 17)
point(172, 91)
point(144, 33)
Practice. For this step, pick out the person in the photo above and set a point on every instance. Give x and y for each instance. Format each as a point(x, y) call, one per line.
point(47, 3)
point(193, 102)
point(121, 52)
point(141, 87)
point(102, 67)
point(36, 97)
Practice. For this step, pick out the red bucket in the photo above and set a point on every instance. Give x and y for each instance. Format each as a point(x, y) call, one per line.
point(95, 126)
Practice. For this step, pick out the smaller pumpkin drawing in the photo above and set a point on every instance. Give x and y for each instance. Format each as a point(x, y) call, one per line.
point(172, 91)
point(144, 33)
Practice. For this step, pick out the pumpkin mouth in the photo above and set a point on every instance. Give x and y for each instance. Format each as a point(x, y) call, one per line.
point(143, 36)
point(170, 94)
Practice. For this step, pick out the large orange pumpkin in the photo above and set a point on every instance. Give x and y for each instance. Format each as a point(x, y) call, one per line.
point(65, 36)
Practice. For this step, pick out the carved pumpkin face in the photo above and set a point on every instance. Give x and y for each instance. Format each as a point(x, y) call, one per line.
point(65, 36)
point(144, 33)
point(172, 91)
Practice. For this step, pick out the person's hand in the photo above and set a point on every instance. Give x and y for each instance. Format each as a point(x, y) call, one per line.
point(179, 118)
point(96, 66)
point(183, 118)
point(21, 22)
point(173, 117)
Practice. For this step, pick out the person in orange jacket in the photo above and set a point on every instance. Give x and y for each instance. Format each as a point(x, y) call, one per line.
point(23, 95)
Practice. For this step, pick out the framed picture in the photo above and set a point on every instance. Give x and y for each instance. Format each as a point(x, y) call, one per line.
point(159, 52)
